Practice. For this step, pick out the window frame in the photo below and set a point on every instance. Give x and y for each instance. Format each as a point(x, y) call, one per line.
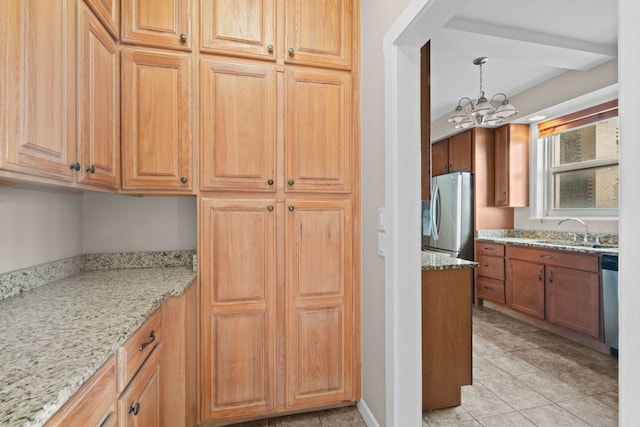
point(546, 131)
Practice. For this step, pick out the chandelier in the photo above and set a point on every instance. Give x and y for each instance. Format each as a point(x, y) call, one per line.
point(481, 112)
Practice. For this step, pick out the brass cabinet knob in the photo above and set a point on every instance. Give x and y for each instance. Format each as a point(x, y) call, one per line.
point(269, 208)
point(270, 48)
point(290, 182)
point(291, 208)
point(270, 182)
point(183, 37)
point(184, 180)
point(290, 51)
point(74, 166)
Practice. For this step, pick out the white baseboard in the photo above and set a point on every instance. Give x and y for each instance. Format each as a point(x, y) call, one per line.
point(367, 415)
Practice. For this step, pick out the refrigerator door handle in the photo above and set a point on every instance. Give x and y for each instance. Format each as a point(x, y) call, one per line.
point(434, 212)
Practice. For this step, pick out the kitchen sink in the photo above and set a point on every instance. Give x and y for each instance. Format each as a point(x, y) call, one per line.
point(569, 243)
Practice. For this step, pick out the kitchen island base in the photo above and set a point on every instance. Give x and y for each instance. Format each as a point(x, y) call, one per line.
point(446, 336)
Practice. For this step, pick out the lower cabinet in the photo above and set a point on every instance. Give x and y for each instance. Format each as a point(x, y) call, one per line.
point(140, 404)
point(150, 382)
point(94, 405)
point(489, 283)
point(559, 287)
point(277, 307)
point(446, 336)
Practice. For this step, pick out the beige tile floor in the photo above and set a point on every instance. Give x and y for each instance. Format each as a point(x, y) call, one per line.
point(522, 376)
point(340, 417)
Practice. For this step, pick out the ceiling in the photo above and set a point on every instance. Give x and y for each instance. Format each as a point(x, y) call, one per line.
point(527, 42)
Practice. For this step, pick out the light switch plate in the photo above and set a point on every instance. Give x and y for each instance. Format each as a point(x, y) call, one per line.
point(381, 219)
point(381, 244)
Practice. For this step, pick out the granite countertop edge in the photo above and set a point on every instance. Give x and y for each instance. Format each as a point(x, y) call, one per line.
point(534, 243)
point(433, 261)
point(90, 313)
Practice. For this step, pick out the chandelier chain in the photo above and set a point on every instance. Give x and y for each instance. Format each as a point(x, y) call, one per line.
point(481, 93)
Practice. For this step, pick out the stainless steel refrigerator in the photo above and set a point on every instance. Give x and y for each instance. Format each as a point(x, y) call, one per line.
point(448, 217)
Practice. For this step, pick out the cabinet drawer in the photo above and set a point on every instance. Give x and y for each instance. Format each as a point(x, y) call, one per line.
point(94, 404)
point(137, 348)
point(491, 266)
point(573, 260)
point(491, 249)
point(490, 289)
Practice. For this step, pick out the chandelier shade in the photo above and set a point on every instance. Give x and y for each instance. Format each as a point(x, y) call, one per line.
point(482, 111)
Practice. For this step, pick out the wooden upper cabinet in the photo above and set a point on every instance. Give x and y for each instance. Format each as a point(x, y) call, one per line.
point(238, 308)
point(440, 157)
point(238, 125)
point(425, 120)
point(512, 165)
point(37, 88)
point(460, 152)
point(156, 121)
point(98, 118)
point(319, 33)
point(319, 297)
point(318, 132)
point(108, 12)
point(452, 154)
point(157, 23)
point(239, 27)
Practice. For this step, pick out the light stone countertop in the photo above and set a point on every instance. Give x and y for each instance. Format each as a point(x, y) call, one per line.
point(434, 261)
point(55, 337)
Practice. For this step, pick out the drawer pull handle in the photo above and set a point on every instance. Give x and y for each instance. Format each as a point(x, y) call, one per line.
point(489, 266)
point(489, 249)
point(134, 409)
point(488, 288)
point(152, 338)
point(551, 276)
point(546, 256)
point(540, 274)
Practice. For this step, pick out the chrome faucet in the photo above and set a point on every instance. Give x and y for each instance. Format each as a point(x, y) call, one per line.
point(585, 239)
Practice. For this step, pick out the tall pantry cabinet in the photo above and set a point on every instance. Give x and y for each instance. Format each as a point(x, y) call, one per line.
point(279, 207)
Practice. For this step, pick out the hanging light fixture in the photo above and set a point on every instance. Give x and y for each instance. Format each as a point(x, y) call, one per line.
point(481, 112)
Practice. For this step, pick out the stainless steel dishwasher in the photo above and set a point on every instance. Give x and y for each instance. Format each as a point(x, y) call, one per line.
point(610, 301)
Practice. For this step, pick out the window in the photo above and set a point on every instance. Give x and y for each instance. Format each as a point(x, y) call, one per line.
point(581, 162)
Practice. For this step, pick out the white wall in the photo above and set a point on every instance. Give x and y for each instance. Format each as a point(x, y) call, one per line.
point(629, 34)
point(117, 223)
point(37, 227)
point(377, 17)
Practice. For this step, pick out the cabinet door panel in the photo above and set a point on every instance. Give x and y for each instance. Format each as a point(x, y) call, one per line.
point(502, 166)
point(108, 12)
point(238, 126)
point(526, 287)
point(318, 141)
point(319, 297)
point(98, 103)
point(38, 88)
point(139, 405)
point(440, 158)
point(158, 23)
point(319, 32)
point(239, 27)
point(460, 152)
point(156, 121)
point(238, 307)
point(573, 300)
